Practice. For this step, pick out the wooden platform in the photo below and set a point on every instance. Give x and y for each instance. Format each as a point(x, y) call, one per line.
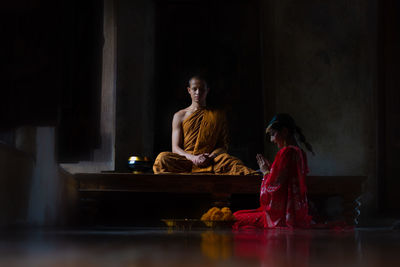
point(171, 183)
point(220, 187)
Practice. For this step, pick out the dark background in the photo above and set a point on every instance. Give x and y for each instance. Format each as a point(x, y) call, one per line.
point(334, 65)
point(219, 40)
point(51, 57)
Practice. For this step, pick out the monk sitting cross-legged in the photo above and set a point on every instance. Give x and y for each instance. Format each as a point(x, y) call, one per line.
point(199, 139)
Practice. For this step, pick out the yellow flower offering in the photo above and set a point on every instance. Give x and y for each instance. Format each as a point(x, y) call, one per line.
point(216, 214)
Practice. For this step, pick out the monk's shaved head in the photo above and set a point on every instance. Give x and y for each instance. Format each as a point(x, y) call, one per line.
point(199, 78)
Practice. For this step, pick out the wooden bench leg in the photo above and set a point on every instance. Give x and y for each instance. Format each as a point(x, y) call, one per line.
point(351, 205)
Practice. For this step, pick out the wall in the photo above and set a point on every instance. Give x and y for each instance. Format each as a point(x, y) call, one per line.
point(155, 59)
point(389, 107)
point(219, 40)
point(30, 180)
point(320, 66)
point(16, 169)
point(44, 200)
point(135, 78)
point(103, 157)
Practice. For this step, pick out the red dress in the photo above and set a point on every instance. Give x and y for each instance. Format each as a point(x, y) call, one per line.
point(283, 196)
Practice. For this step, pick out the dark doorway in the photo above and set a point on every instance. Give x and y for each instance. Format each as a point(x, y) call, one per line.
point(221, 41)
point(79, 118)
point(389, 109)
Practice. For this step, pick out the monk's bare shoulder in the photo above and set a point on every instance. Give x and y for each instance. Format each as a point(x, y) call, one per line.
point(180, 116)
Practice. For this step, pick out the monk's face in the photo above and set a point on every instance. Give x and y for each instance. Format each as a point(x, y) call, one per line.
point(198, 91)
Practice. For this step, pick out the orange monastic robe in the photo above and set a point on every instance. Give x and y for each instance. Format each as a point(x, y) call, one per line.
point(204, 131)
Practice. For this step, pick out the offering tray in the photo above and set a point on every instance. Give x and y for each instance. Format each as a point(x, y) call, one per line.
point(187, 224)
point(184, 224)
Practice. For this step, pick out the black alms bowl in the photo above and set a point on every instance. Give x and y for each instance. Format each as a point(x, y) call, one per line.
point(140, 164)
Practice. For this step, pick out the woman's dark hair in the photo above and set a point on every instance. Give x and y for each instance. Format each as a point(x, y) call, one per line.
point(283, 120)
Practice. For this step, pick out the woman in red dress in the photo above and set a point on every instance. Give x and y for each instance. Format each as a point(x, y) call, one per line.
point(283, 196)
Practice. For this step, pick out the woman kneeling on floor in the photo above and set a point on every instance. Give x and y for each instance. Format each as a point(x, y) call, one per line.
point(283, 196)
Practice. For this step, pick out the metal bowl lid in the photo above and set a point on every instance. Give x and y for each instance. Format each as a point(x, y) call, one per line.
point(138, 158)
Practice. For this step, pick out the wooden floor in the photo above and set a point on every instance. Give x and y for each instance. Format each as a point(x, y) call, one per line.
point(199, 247)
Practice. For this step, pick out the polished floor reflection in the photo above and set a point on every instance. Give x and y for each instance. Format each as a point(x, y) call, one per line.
point(199, 247)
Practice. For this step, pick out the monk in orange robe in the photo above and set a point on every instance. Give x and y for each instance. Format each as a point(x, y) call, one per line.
point(199, 139)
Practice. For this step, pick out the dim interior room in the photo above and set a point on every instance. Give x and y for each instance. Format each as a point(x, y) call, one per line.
point(87, 84)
